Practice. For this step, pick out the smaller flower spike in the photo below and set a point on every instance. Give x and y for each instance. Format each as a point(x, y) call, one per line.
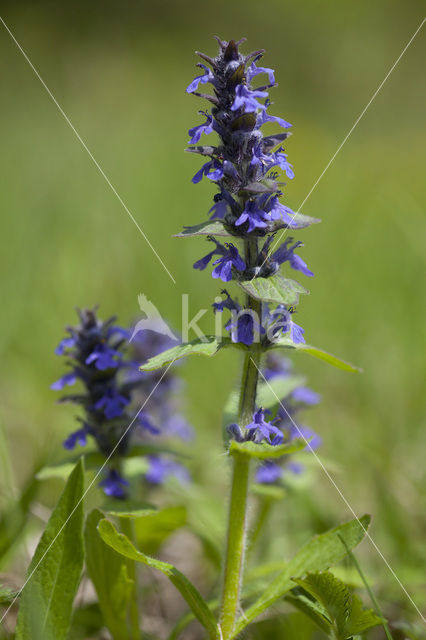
point(114, 390)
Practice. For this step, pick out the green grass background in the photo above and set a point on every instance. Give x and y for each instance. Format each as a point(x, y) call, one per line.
point(119, 71)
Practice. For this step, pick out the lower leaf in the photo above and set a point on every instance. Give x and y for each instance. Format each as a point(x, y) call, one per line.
point(194, 599)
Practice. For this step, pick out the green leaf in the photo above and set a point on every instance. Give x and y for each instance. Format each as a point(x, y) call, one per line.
point(14, 517)
point(55, 570)
point(208, 347)
point(122, 545)
point(266, 451)
point(287, 343)
point(274, 289)
point(208, 228)
point(61, 471)
point(127, 509)
point(342, 610)
point(154, 528)
point(311, 608)
point(109, 573)
point(316, 555)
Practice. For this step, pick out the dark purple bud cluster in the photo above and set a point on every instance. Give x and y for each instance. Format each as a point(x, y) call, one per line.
point(113, 392)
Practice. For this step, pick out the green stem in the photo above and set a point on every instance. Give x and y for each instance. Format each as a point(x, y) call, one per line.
point(237, 518)
point(127, 527)
point(235, 544)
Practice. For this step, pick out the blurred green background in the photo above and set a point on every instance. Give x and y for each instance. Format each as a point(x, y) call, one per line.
point(119, 71)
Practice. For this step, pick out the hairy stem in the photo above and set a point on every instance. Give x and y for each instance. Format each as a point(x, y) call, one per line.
point(237, 518)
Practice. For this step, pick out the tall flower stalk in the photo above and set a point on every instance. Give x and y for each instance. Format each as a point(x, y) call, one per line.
point(244, 167)
point(248, 169)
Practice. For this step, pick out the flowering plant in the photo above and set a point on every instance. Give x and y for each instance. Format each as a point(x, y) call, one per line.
point(263, 441)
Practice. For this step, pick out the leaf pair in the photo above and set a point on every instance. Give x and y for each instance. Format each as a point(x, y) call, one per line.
point(211, 345)
point(317, 555)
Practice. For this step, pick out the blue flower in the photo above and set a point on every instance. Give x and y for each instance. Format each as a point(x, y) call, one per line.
point(112, 404)
point(114, 484)
point(264, 117)
point(279, 211)
point(202, 263)
point(197, 131)
point(243, 323)
point(205, 77)
point(253, 71)
point(252, 215)
point(104, 357)
point(67, 379)
point(306, 396)
point(286, 253)
point(219, 210)
point(259, 158)
point(66, 343)
point(77, 437)
point(212, 170)
point(268, 472)
point(145, 421)
point(280, 160)
point(175, 425)
point(161, 468)
point(230, 259)
point(260, 430)
point(245, 98)
point(280, 321)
